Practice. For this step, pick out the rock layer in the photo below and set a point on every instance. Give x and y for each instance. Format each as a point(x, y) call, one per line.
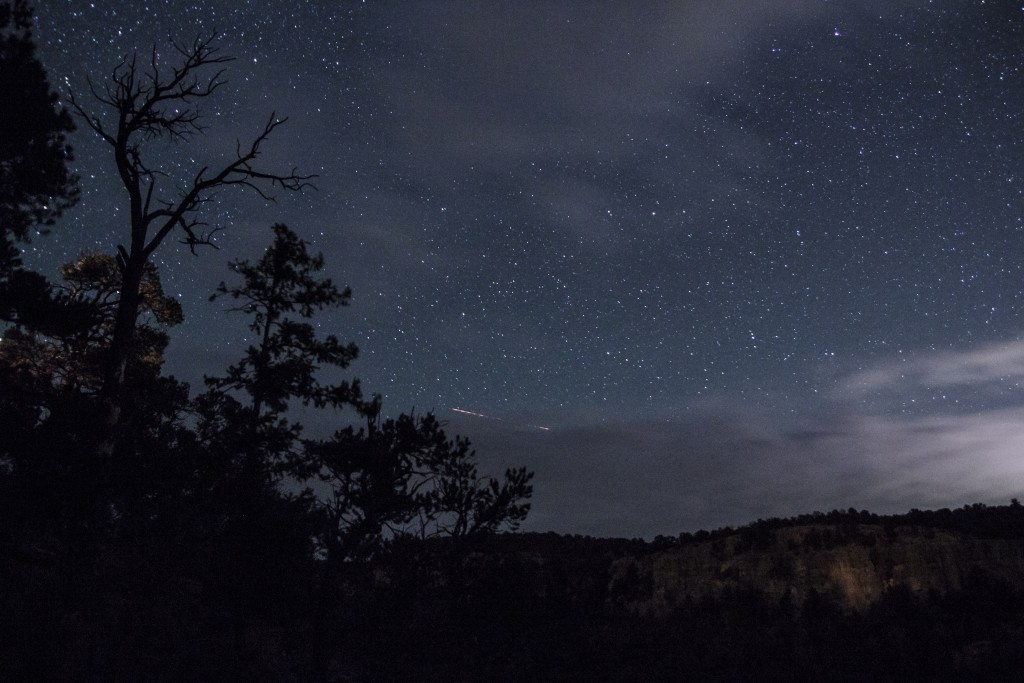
point(853, 564)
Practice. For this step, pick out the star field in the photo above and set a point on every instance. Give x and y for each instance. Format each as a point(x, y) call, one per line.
point(737, 256)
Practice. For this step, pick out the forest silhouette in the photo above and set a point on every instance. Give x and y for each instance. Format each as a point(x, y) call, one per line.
point(141, 506)
point(153, 532)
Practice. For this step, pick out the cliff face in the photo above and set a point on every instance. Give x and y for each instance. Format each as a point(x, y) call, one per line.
point(854, 564)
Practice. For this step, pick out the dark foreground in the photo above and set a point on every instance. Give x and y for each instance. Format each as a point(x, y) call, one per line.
point(526, 607)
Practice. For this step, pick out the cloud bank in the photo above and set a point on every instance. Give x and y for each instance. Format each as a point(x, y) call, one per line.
point(728, 464)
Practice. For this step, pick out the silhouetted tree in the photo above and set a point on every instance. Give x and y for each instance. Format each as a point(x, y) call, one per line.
point(50, 379)
point(280, 293)
point(147, 103)
point(404, 477)
point(189, 527)
point(243, 417)
point(35, 183)
point(393, 484)
point(391, 479)
point(70, 359)
point(244, 425)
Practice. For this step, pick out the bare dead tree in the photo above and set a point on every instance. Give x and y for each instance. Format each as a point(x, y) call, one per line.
point(150, 102)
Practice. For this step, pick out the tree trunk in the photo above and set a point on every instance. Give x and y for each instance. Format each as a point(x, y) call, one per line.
point(121, 342)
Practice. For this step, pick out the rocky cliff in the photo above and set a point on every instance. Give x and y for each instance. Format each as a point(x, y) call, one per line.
point(853, 564)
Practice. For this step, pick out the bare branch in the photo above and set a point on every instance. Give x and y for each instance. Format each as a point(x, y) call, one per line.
point(239, 172)
point(90, 120)
point(145, 101)
point(194, 240)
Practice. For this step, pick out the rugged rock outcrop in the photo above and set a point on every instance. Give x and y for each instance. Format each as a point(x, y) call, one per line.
point(852, 564)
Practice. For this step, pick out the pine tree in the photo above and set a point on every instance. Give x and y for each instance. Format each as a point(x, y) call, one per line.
point(35, 182)
point(281, 292)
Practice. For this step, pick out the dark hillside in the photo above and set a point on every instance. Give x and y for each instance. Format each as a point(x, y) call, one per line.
point(835, 597)
point(839, 596)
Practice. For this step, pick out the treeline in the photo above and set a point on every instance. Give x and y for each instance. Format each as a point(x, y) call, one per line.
point(544, 607)
point(969, 634)
point(976, 519)
point(556, 609)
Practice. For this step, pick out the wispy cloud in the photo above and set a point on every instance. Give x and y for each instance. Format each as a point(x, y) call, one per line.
point(991, 363)
point(732, 465)
point(725, 462)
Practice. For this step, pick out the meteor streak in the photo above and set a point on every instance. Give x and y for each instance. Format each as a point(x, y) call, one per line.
point(491, 417)
point(470, 412)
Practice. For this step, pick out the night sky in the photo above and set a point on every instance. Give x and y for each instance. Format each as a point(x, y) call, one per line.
point(694, 262)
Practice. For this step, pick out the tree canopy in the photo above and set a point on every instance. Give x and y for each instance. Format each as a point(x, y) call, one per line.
point(36, 185)
point(35, 182)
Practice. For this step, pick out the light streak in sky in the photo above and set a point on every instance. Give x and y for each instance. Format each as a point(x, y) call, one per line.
point(491, 417)
point(470, 412)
